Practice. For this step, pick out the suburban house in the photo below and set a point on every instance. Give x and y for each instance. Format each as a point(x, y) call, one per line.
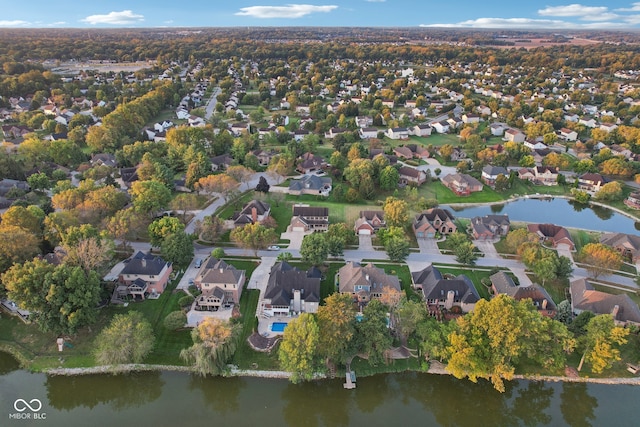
point(432, 221)
point(568, 134)
point(490, 173)
point(369, 222)
point(368, 133)
point(621, 307)
point(455, 122)
point(497, 129)
point(309, 218)
point(309, 162)
point(409, 175)
point(633, 200)
point(556, 235)
point(591, 182)
point(545, 175)
point(534, 144)
point(490, 227)
point(514, 135)
point(422, 130)
point(366, 282)
point(462, 184)
point(627, 244)
point(221, 284)
point(104, 159)
point(299, 134)
point(397, 133)
point(310, 184)
point(441, 127)
point(127, 177)
point(526, 174)
point(619, 150)
point(412, 150)
point(458, 154)
point(291, 291)
point(470, 118)
point(501, 283)
point(221, 162)
point(143, 274)
point(333, 132)
point(254, 211)
point(264, 157)
point(7, 184)
point(440, 293)
point(238, 129)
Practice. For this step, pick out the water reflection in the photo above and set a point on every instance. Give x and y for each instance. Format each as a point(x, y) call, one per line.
point(219, 394)
point(118, 391)
point(320, 403)
point(577, 405)
point(531, 403)
point(602, 213)
point(8, 363)
point(577, 206)
point(496, 208)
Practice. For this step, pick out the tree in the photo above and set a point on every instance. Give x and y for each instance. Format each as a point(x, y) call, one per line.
point(39, 181)
point(89, 253)
point(336, 319)
point(214, 343)
point(397, 248)
point(396, 211)
point(210, 228)
point(600, 258)
point(221, 183)
point(314, 248)
point(446, 151)
point(434, 337)
point(253, 236)
point(149, 197)
point(502, 183)
point(466, 253)
point(580, 196)
point(16, 246)
point(177, 248)
point(175, 320)
point(125, 226)
point(389, 178)
point(61, 298)
point(26, 218)
point(611, 191)
point(262, 186)
point(527, 161)
point(600, 343)
point(372, 335)
point(240, 174)
point(184, 202)
point(128, 339)
point(299, 348)
point(159, 229)
point(408, 316)
point(489, 341)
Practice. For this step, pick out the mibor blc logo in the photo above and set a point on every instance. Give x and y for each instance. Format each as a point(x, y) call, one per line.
point(28, 410)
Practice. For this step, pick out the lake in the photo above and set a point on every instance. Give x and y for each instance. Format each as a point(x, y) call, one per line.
point(557, 211)
point(407, 399)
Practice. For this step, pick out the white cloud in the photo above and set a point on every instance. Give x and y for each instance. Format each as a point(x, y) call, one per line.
point(601, 17)
point(635, 7)
point(632, 19)
point(14, 23)
point(287, 11)
point(114, 18)
point(57, 24)
point(573, 10)
point(504, 23)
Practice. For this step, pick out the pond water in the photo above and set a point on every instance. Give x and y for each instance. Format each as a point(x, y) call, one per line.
point(558, 211)
point(407, 399)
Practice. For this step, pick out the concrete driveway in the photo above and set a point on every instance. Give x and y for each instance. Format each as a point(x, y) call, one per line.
point(487, 248)
point(365, 243)
point(295, 238)
point(564, 250)
point(194, 318)
point(429, 246)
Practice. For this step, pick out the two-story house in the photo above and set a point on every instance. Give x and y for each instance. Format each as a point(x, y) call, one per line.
point(220, 283)
point(309, 218)
point(291, 291)
point(142, 275)
point(366, 282)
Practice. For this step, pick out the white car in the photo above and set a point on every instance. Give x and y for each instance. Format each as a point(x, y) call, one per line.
point(274, 248)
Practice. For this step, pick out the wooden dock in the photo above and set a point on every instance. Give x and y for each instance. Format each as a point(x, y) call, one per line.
point(350, 383)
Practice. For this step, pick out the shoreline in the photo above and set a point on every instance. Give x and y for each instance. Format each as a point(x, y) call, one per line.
point(435, 368)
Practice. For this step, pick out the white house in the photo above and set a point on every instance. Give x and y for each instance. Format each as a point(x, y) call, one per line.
point(398, 133)
point(368, 133)
point(568, 134)
point(421, 130)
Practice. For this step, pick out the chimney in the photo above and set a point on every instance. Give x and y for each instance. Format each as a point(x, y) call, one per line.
point(297, 301)
point(254, 214)
point(144, 262)
point(544, 304)
point(449, 302)
point(615, 311)
point(367, 277)
point(221, 270)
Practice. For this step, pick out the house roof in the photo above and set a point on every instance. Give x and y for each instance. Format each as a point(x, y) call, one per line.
point(594, 178)
point(494, 170)
point(223, 159)
point(629, 242)
point(584, 297)
point(554, 232)
point(485, 224)
point(409, 171)
point(144, 264)
point(434, 286)
point(354, 274)
point(505, 285)
point(260, 206)
point(216, 271)
point(461, 179)
point(431, 214)
point(309, 182)
point(285, 279)
point(371, 215)
point(305, 211)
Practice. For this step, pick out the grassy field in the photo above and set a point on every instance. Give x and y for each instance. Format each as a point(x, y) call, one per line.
point(338, 211)
point(476, 277)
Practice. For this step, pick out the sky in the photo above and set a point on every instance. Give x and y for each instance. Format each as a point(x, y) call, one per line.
point(601, 14)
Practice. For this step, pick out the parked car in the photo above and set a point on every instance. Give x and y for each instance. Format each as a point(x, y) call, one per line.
point(191, 282)
point(198, 263)
point(274, 248)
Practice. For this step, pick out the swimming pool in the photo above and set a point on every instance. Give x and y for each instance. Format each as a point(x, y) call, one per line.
point(278, 326)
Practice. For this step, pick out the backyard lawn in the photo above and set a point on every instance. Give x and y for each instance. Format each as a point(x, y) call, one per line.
point(476, 277)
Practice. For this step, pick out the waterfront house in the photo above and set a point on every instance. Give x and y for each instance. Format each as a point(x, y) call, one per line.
point(437, 220)
point(627, 244)
point(556, 235)
point(366, 282)
point(490, 173)
point(143, 274)
point(291, 291)
point(621, 307)
point(633, 200)
point(591, 182)
point(490, 227)
point(440, 293)
point(501, 283)
point(220, 283)
point(462, 184)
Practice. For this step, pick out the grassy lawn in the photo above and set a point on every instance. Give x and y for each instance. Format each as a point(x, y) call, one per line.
point(557, 289)
point(583, 237)
point(404, 275)
point(338, 211)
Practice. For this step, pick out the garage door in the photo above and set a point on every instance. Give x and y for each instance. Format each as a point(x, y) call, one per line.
point(365, 232)
point(298, 229)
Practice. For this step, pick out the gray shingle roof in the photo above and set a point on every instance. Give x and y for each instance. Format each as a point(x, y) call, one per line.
point(144, 265)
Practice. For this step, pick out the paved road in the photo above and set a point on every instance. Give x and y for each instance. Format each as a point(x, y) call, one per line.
point(211, 104)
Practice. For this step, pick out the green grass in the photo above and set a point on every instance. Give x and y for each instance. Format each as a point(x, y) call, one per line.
point(404, 275)
point(338, 211)
point(476, 277)
point(328, 283)
point(583, 237)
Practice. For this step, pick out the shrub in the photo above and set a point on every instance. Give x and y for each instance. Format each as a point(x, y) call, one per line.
point(175, 320)
point(185, 301)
